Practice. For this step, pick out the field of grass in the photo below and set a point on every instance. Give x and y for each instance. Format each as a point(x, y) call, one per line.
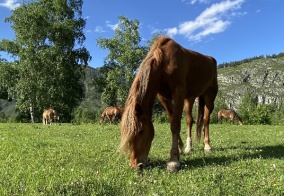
point(83, 160)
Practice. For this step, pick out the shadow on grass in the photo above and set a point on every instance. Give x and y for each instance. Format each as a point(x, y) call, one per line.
point(265, 152)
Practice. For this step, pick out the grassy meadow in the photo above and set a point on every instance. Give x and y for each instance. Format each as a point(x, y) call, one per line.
point(71, 159)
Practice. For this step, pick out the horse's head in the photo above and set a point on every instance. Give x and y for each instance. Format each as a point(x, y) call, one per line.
point(101, 119)
point(55, 116)
point(137, 133)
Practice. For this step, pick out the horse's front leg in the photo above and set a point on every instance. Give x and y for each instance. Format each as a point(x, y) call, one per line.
point(109, 120)
point(167, 103)
point(174, 162)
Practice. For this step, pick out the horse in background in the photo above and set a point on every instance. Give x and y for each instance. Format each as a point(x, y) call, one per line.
point(112, 114)
point(178, 76)
point(232, 114)
point(49, 116)
point(120, 112)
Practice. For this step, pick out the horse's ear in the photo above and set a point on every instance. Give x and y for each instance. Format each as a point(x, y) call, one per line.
point(138, 109)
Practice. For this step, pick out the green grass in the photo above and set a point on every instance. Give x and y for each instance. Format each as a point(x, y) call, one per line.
point(83, 160)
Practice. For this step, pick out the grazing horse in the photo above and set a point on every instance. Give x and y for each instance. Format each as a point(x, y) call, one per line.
point(178, 76)
point(232, 114)
point(120, 112)
point(111, 113)
point(48, 116)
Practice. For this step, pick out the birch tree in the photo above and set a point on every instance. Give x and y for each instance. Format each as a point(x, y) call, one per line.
point(125, 55)
point(51, 57)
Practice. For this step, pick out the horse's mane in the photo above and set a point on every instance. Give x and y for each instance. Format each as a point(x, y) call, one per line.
point(129, 122)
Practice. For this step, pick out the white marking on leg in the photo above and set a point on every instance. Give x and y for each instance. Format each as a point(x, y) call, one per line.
point(207, 147)
point(188, 146)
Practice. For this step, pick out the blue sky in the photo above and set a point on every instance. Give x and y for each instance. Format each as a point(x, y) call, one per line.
point(228, 30)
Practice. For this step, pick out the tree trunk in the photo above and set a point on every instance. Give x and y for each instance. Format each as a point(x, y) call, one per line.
point(32, 113)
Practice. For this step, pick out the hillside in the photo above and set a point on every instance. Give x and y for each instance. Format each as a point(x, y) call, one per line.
point(263, 78)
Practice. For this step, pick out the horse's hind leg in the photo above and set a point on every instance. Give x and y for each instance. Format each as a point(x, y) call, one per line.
point(209, 106)
point(188, 103)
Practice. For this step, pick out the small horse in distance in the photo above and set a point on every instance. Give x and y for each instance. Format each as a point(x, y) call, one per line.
point(112, 114)
point(49, 115)
point(178, 76)
point(232, 114)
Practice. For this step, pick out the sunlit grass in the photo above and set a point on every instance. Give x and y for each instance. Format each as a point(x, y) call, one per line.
point(83, 160)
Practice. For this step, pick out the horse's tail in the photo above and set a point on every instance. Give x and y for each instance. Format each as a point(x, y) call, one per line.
point(200, 115)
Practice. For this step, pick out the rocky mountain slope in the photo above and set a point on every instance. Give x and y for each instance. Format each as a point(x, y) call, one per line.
point(263, 78)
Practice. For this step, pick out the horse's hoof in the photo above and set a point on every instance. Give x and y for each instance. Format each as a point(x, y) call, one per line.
point(173, 166)
point(188, 150)
point(207, 148)
point(140, 166)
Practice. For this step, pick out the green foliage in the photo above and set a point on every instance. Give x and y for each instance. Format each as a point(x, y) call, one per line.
point(51, 58)
point(277, 117)
point(8, 78)
point(254, 114)
point(83, 160)
point(261, 115)
point(236, 63)
point(81, 116)
point(125, 55)
point(246, 108)
point(3, 117)
point(218, 105)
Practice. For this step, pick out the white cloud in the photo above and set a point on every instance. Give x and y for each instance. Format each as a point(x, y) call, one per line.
point(214, 19)
point(172, 31)
point(199, 1)
point(112, 26)
point(10, 4)
point(99, 29)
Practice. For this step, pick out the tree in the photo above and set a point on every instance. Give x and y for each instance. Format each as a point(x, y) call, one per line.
point(247, 107)
point(261, 114)
point(51, 57)
point(8, 76)
point(277, 116)
point(125, 55)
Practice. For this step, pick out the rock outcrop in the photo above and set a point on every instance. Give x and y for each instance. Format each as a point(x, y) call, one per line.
point(263, 78)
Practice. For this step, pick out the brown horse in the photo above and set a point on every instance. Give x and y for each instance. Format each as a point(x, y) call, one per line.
point(178, 76)
point(232, 114)
point(121, 111)
point(48, 116)
point(112, 113)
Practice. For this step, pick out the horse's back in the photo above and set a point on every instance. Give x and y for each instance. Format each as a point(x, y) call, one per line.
point(183, 67)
